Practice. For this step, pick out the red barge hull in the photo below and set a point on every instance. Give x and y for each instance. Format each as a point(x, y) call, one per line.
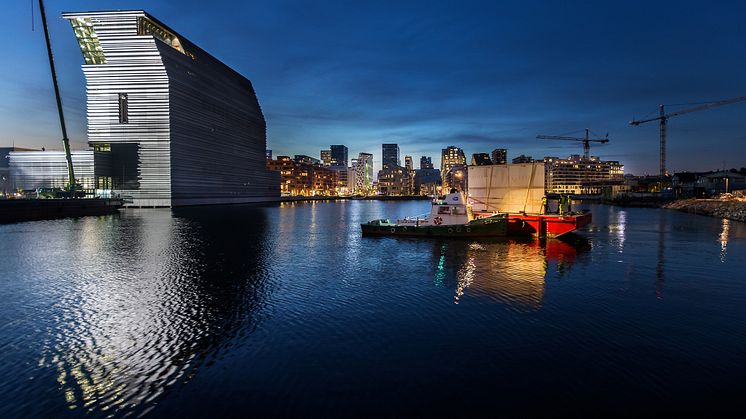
point(543, 225)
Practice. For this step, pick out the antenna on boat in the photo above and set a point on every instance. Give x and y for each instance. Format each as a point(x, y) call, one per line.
point(65, 140)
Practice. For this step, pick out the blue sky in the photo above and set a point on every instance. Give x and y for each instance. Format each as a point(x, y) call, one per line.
point(428, 74)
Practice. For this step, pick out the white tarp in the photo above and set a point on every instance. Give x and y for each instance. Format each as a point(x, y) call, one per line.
point(507, 187)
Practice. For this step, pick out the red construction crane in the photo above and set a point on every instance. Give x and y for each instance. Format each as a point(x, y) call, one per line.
point(586, 141)
point(663, 118)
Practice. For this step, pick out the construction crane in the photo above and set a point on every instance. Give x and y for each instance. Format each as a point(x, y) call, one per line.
point(663, 118)
point(586, 141)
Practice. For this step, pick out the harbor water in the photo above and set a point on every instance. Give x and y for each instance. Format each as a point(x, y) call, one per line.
point(286, 310)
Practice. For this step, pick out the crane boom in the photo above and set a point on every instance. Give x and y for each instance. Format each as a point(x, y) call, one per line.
point(663, 118)
point(586, 141)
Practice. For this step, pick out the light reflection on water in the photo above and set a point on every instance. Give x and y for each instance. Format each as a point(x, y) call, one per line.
point(204, 311)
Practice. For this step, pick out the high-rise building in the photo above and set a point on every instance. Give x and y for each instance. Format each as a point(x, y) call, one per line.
point(363, 179)
point(339, 155)
point(449, 157)
point(500, 156)
point(186, 128)
point(426, 162)
point(408, 164)
point(268, 154)
point(480, 159)
point(390, 154)
point(326, 157)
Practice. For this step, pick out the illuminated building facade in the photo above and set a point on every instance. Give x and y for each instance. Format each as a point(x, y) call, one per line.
point(298, 178)
point(184, 128)
point(395, 180)
point(326, 157)
point(30, 170)
point(500, 156)
point(449, 157)
point(456, 178)
point(580, 176)
point(362, 180)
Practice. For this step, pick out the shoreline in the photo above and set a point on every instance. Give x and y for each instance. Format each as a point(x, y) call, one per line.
point(732, 210)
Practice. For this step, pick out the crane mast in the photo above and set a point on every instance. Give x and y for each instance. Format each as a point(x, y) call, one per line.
point(65, 140)
point(663, 122)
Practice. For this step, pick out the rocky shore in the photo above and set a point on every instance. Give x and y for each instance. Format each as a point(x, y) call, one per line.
point(731, 209)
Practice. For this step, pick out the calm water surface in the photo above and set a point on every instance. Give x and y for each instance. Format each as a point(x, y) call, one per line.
point(287, 310)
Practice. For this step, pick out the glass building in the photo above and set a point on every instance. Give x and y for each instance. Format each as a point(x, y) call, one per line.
point(390, 154)
point(339, 155)
point(170, 124)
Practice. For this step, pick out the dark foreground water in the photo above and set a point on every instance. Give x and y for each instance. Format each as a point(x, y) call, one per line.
point(287, 310)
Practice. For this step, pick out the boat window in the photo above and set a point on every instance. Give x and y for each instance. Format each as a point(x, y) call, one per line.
point(459, 210)
point(445, 209)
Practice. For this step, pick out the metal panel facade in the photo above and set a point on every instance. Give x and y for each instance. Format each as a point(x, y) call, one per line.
point(200, 132)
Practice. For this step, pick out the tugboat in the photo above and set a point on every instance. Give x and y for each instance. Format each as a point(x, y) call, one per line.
point(449, 217)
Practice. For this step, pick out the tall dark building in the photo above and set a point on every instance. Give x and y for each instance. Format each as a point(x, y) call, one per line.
point(426, 162)
point(390, 155)
point(169, 123)
point(500, 156)
point(339, 155)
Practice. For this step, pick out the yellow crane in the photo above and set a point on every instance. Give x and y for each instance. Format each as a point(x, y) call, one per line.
point(663, 118)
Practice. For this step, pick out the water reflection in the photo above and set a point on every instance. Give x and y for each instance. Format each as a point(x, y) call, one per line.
point(168, 294)
point(659, 266)
point(724, 233)
point(509, 271)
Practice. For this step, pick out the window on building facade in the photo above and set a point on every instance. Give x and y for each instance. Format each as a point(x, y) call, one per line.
point(123, 117)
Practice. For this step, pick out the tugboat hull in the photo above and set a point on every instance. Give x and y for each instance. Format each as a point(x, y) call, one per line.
point(495, 226)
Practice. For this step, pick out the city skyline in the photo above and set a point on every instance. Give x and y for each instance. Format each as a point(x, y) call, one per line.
point(367, 74)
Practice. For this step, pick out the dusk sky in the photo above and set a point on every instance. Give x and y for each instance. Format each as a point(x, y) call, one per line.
point(428, 74)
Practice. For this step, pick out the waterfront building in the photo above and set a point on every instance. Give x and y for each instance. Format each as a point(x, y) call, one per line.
point(457, 178)
point(395, 180)
point(339, 155)
point(500, 156)
point(408, 163)
point(31, 170)
point(426, 162)
point(302, 158)
point(427, 182)
point(343, 180)
point(724, 181)
point(480, 159)
point(187, 128)
point(522, 159)
point(326, 157)
point(362, 182)
point(449, 157)
point(580, 176)
point(298, 178)
point(390, 155)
